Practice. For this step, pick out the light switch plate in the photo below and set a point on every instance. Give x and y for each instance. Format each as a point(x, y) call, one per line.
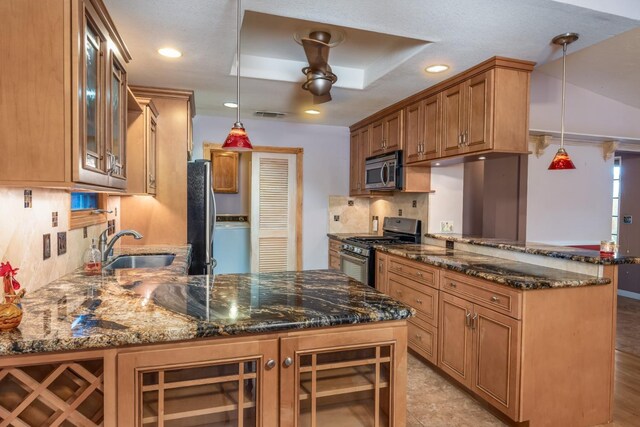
point(627, 219)
point(399, 212)
point(414, 204)
point(446, 226)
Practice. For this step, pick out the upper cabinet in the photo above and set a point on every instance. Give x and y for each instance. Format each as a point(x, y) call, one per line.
point(386, 134)
point(360, 142)
point(142, 153)
point(64, 106)
point(225, 171)
point(482, 110)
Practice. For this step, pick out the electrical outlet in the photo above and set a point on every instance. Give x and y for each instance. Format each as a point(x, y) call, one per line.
point(46, 246)
point(85, 232)
point(350, 202)
point(399, 212)
point(112, 227)
point(414, 204)
point(446, 226)
point(62, 243)
point(28, 199)
point(336, 217)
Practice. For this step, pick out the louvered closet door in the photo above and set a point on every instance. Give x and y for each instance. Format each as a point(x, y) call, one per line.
point(273, 216)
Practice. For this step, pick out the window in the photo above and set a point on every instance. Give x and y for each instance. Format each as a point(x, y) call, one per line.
point(84, 209)
point(615, 211)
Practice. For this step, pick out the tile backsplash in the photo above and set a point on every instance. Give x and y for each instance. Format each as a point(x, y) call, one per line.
point(22, 229)
point(344, 218)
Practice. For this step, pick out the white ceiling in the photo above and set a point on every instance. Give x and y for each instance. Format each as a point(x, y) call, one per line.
point(463, 33)
point(610, 68)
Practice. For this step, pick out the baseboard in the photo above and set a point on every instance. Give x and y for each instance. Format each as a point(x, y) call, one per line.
point(628, 294)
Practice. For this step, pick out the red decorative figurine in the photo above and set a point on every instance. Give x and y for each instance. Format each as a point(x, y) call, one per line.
point(10, 309)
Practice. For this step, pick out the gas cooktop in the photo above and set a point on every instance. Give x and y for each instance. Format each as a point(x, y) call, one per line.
point(372, 240)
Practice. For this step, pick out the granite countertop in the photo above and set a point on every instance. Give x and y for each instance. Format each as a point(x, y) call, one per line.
point(502, 271)
point(342, 236)
point(144, 306)
point(563, 252)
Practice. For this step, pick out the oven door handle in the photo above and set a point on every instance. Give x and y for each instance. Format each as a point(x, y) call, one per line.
point(350, 257)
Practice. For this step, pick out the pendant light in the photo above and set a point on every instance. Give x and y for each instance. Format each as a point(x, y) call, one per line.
point(237, 140)
point(562, 161)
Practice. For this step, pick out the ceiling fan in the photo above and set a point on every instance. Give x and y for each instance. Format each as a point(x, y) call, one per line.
point(320, 79)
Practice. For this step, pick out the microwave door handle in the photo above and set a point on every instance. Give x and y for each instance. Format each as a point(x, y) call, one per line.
point(382, 174)
point(385, 166)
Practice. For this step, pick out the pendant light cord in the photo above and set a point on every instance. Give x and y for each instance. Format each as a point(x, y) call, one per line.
point(564, 84)
point(238, 59)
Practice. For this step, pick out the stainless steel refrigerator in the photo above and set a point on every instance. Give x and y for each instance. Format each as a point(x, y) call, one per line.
point(201, 216)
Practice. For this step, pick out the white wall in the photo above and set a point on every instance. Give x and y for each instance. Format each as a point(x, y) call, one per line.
point(574, 206)
point(325, 168)
point(446, 203)
point(586, 113)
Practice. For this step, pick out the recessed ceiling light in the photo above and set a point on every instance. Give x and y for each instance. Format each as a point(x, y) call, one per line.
point(312, 112)
point(436, 68)
point(437, 164)
point(481, 158)
point(230, 105)
point(170, 52)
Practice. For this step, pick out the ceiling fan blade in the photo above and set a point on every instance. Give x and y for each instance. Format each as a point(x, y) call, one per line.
point(322, 98)
point(317, 53)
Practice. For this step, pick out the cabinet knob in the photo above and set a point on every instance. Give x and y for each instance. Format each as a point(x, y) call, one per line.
point(418, 300)
point(452, 285)
point(495, 299)
point(287, 362)
point(270, 364)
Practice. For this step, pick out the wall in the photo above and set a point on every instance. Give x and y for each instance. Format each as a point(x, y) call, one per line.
point(325, 168)
point(445, 204)
point(21, 232)
point(383, 207)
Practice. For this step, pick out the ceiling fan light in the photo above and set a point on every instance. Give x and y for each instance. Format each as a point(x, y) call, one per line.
point(319, 86)
point(561, 161)
point(237, 140)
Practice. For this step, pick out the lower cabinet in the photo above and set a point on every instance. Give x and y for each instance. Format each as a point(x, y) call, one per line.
point(352, 377)
point(334, 254)
point(382, 266)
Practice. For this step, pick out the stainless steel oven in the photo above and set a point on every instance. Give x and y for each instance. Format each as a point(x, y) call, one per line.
point(355, 266)
point(384, 172)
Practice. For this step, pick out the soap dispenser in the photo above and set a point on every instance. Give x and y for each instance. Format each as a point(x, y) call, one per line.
point(92, 259)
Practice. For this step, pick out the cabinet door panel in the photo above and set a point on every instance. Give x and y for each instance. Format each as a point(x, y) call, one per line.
point(455, 339)
point(225, 171)
point(376, 138)
point(479, 112)
point(413, 132)
point(350, 378)
point(425, 300)
point(496, 358)
point(423, 338)
point(432, 132)
point(354, 164)
point(381, 272)
point(117, 110)
point(393, 132)
point(215, 384)
point(152, 158)
point(452, 119)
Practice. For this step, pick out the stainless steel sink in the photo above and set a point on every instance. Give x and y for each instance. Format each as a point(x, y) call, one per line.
point(141, 261)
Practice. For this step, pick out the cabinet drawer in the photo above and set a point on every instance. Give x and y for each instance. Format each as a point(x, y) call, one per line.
point(496, 297)
point(423, 339)
point(417, 271)
point(424, 301)
point(335, 245)
point(334, 261)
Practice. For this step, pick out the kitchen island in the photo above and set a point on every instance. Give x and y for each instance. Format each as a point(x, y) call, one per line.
point(528, 329)
point(156, 347)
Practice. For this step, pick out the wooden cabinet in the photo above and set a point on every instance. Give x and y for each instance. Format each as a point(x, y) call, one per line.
point(382, 265)
point(234, 383)
point(422, 130)
point(224, 165)
point(64, 96)
point(335, 246)
point(355, 378)
point(142, 145)
point(359, 151)
point(453, 120)
point(386, 134)
point(454, 352)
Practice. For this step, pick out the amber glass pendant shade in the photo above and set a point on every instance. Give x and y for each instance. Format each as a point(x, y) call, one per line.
point(237, 140)
point(561, 161)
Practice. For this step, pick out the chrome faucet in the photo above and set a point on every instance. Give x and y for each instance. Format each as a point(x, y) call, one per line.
point(107, 248)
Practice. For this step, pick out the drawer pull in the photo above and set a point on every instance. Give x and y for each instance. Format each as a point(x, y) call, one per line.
point(419, 301)
point(495, 299)
point(452, 285)
point(418, 336)
point(419, 274)
point(467, 319)
point(399, 292)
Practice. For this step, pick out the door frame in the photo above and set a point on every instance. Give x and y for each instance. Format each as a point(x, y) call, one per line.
point(209, 147)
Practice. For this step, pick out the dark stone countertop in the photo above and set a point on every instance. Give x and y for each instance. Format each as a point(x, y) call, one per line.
point(145, 306)
point(563, 252)
point(515, 274)
point(342, 236)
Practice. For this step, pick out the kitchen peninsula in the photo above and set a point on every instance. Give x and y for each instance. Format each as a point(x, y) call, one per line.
point(151, 347)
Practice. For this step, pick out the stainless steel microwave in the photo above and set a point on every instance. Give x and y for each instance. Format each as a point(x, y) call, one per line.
point(384, 172)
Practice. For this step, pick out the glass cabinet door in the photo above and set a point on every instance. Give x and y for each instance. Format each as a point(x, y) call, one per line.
point(116, 150)
point(345, 388)
point(216, 395)
point(91, 135)
point(151, 153)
